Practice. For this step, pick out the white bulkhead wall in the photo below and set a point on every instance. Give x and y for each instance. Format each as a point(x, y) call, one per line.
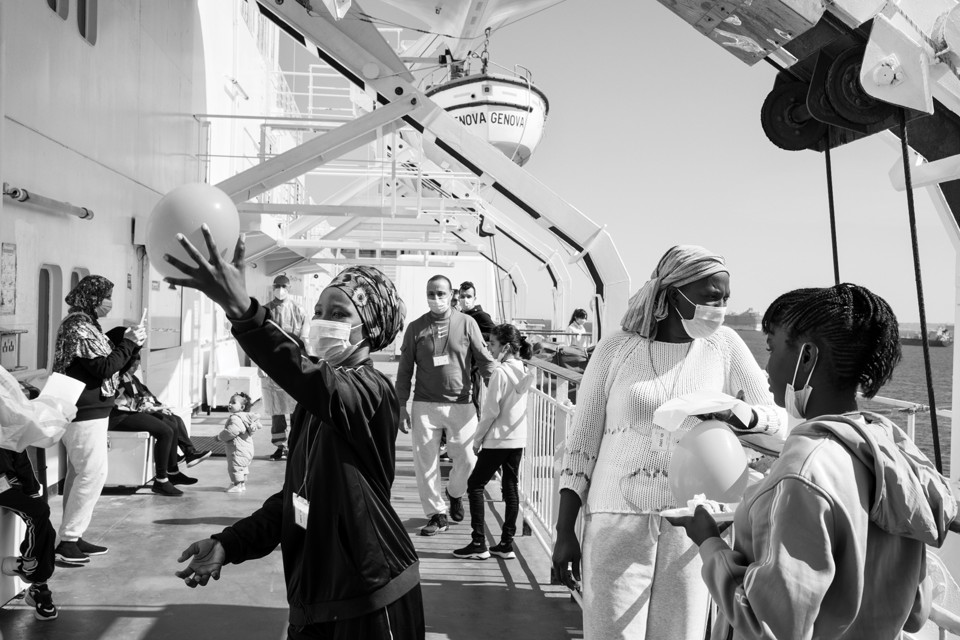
point(109, 127)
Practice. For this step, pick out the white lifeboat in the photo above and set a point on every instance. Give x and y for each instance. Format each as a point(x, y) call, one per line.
point(508, 112)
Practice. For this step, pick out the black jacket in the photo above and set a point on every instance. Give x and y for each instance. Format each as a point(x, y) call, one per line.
point(355, 556)
point(18, 471)
point(483, 319)
point(92, 372)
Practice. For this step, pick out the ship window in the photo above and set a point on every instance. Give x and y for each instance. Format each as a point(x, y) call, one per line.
point(87, 20)
point(77, 275)
point(60, 7)
point(49, 309)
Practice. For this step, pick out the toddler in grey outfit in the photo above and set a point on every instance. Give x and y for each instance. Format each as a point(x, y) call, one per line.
point(238, 436)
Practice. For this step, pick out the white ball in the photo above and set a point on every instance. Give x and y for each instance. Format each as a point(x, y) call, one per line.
point(184, 210)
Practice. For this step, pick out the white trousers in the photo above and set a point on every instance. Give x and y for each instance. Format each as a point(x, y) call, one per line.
point(430, 420)
point(641, 579)
point(86, 444)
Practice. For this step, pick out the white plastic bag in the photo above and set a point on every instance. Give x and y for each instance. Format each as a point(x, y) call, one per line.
point(31, 423)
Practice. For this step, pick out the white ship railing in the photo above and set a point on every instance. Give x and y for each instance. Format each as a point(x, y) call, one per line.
point(549, 412)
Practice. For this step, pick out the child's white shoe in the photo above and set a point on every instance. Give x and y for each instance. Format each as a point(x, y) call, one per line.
point(239, 487)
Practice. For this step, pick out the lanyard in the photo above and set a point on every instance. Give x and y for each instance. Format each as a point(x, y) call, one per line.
point(309, 449)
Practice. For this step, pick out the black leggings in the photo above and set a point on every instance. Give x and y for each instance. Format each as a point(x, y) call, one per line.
point(180, 429)
point(400, 620)
point(165, 449)
point(488, 462)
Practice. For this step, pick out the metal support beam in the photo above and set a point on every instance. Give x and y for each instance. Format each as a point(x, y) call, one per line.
point(446, 136)
point(313, 153)
point(306, 243)
point(343, 229)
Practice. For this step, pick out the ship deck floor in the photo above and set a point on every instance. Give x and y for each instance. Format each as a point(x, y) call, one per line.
point(131, 592)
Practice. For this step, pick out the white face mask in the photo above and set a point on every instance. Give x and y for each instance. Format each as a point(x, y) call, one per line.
point(705, 321)
point(280, 293)
point(795, 402)
point(438, 305)
point(468, 303)
point(330, 340)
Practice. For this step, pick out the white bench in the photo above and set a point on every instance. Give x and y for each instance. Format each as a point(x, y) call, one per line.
point(228, 377)
point(129, 458)
point(12, 530)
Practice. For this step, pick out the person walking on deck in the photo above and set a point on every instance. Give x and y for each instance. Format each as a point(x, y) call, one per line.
point(832, 542)
point(469, 306)
point(641, 579)
point(238, 433)
point(277, 403)
point(441, 346)
point(85, 353)
point(351, 569)
point(500, 440)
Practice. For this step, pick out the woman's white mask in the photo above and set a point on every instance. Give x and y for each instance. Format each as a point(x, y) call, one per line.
point(330, 340)
point(705, 321)
point(795, 402)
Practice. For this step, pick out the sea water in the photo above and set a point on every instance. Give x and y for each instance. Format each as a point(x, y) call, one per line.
point(908, 383)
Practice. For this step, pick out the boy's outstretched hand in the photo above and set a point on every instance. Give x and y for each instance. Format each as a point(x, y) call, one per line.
point(208, 558)
point(223, 282)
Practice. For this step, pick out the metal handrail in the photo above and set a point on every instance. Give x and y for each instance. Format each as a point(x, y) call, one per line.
point(549, 411)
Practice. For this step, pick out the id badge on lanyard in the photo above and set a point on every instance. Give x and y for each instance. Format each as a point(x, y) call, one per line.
point(663, 441)
point(301, 511)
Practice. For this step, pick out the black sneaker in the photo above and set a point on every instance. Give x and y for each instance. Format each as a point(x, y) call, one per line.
point(40, 598)
point(473, 551)
point(279, 454)
point(438, 524)
point(195, 458)
point(90, 549)
point(503, 550)
point(179, 478)
point(69, 553)
point(456, 508)
point(165, 489)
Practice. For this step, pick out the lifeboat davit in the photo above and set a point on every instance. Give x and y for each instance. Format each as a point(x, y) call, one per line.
point(508, 112)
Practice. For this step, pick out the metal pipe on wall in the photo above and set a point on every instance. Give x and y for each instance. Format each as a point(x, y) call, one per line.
point(42, 202)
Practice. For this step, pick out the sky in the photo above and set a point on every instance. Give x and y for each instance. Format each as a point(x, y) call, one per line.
point(654, 131)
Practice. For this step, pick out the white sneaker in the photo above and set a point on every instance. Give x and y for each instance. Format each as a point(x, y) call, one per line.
point(239, 487)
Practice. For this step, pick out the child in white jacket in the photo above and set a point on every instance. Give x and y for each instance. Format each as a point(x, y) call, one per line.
point(500, 439)
point(238, 435)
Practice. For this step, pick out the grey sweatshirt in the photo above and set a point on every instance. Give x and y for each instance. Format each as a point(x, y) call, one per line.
point(424, 340)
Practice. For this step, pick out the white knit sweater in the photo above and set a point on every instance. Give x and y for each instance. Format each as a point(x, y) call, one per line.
point(627, 379)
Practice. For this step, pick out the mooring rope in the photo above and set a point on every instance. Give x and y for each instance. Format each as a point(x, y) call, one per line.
point(905, 148)
point(833, 214)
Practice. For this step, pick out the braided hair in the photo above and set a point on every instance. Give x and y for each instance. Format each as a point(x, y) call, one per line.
point(507, 334)
point(858, 328)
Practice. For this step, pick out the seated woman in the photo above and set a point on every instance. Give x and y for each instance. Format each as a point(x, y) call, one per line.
point(832, 543)
point(126, 416)
point(145, 401)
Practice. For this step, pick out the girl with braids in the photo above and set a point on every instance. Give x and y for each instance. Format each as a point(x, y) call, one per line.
point(831, 544)
point(641, 578)
point(500, 439)
point(85, 353)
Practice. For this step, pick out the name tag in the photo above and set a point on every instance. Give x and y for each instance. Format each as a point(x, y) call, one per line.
point(301, 509)
point(4, 483)
point(663, 440)
point(439, 361)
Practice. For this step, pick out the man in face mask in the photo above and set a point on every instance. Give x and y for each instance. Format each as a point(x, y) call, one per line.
point(277, 403)
point(469, 306)
point(441, 346)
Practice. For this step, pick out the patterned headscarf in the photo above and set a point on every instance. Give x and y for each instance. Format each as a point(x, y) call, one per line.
point(376, 299)
point(680, 265)
point(80, 334)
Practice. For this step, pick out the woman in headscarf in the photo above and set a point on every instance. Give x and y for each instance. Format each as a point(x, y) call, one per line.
point(350, 567)
point(85, 353)
point(641, 578)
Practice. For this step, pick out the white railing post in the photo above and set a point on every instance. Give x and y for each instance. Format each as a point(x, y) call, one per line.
point(559, 447)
